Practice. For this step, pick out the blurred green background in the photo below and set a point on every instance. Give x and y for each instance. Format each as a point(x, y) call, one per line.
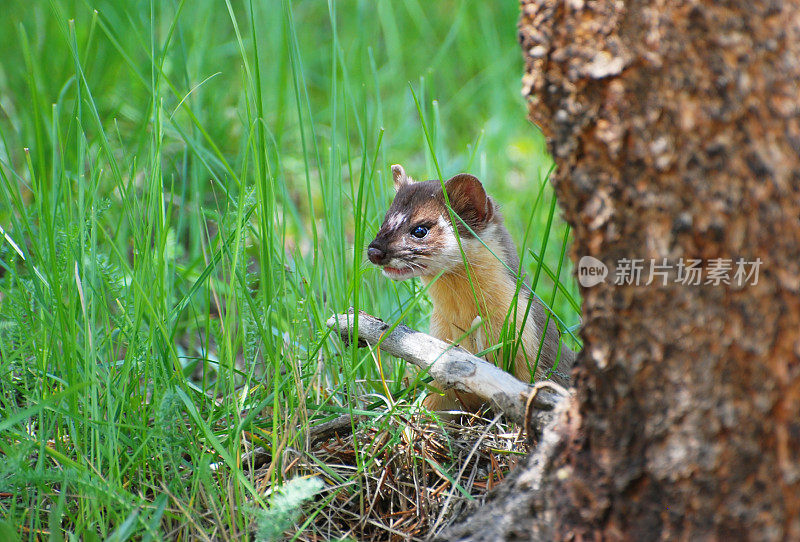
point(186, 191)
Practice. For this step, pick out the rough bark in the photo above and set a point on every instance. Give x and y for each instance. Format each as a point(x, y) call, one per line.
point(676, 131)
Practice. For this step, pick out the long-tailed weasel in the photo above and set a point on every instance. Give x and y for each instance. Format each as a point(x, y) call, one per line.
point(417, 240)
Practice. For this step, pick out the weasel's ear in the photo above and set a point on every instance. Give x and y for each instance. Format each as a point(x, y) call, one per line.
point(400, 177)
point(469, 200)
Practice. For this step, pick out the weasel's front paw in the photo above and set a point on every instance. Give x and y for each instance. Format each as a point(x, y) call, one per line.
point(477, 331)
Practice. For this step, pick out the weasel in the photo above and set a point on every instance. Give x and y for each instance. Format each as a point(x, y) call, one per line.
point(417, 239)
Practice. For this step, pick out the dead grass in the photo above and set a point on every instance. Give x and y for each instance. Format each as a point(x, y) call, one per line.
point(404, 477)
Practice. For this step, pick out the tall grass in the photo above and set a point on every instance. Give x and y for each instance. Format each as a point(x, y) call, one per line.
point(186, 190)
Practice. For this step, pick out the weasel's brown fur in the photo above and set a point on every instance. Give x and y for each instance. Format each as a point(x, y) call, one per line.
point(455, 303)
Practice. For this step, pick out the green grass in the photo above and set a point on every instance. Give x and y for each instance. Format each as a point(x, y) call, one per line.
point(186, 191)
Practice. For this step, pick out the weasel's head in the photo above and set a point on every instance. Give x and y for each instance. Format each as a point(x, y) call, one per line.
point(417, 237)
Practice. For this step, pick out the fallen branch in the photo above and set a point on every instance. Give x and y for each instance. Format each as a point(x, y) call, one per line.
point(452, 367)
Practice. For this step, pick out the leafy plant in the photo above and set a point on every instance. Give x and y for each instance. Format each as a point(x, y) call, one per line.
point(285, 507)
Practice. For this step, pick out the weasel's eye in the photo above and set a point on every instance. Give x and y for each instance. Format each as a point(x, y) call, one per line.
point(419, 231)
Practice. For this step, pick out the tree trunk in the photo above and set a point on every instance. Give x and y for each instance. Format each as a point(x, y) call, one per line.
point(676, 130)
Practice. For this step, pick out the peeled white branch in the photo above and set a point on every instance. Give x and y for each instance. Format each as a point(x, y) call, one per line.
point(452, 367)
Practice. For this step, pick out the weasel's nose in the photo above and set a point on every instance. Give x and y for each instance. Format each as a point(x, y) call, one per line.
point(375, 254)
